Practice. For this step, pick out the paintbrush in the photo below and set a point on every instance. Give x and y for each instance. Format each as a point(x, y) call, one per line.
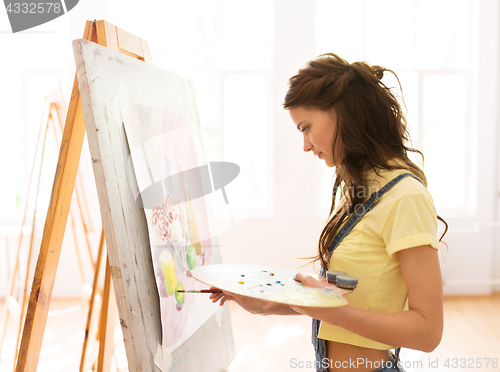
point(200, 291)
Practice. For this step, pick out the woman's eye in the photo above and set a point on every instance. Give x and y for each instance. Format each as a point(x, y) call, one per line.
point(304, 130)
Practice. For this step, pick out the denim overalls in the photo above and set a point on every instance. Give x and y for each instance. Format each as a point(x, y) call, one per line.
point(320, 344)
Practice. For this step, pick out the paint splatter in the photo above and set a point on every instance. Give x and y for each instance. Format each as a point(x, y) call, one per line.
point(241, 282)
point(272, 274)
point(277, 281)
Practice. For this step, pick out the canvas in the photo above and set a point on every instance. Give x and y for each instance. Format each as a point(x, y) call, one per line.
point(167, 154)
point(155, 195)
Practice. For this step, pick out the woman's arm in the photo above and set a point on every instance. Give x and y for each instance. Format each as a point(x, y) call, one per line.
point(253, 305)
point(420, 327)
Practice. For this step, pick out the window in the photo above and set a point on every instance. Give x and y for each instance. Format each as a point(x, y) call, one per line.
point(428, 44)
point(230, 68)
point(23, 87)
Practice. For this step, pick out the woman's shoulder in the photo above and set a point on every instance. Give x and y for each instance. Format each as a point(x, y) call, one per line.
point(408, 187)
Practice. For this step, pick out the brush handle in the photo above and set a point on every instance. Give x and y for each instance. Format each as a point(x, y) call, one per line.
point(200, 291)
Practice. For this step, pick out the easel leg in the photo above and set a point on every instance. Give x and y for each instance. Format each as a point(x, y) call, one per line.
point(78, 256)
point(79, 189)
point(95, 285)
point(55, 116)
point(106, 324)
point(50, 249)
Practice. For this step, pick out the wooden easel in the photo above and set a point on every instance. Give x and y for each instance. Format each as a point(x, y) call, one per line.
point(105, 34)
point(51, 118)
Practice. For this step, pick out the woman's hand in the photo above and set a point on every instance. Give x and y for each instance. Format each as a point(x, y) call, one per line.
point(321, 313)
point(263, 307)
point(310, 280)
point(250, 304)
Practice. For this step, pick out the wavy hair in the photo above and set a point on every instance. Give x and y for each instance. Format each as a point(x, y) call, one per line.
point(371, 126)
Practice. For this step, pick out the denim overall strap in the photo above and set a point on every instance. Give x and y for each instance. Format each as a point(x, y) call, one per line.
point(318, 343)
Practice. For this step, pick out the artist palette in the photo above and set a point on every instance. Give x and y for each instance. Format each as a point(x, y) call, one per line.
point(269, 283)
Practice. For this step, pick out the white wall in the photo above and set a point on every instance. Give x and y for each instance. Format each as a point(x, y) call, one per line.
point(473, 260)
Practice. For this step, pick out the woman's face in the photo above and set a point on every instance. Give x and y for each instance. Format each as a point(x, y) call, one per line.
point(318, 128)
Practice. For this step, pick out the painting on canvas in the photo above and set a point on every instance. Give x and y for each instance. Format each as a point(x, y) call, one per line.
point(156, 200)
point(170, 166)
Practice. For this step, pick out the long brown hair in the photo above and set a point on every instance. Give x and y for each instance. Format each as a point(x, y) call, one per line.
point(371, 126)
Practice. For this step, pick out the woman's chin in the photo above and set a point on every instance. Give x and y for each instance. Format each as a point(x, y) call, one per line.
point(329, 163)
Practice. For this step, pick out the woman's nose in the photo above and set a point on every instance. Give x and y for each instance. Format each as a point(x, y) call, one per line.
point(307, 144)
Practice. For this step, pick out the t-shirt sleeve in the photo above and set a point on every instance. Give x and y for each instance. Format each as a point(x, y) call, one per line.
point(411, 223)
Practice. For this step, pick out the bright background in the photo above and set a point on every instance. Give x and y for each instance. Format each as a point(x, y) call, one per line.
point(240, 55)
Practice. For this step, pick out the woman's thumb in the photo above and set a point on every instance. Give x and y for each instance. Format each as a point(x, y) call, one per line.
point(300, 277)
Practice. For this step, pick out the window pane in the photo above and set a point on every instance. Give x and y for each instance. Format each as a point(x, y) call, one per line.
point(212, 34)
point(340, 28)
point(390, 33)
point(247, 43)
point(447, 154)
point(227, 64)
point(188, 34)
point(409, 83)
point(444, 34)
point(245, 139)
point(48, 44)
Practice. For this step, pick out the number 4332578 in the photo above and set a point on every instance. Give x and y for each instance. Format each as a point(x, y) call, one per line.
point(471, 362)
point(34, 8)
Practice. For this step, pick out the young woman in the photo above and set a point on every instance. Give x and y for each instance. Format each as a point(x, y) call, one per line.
point(382, 229)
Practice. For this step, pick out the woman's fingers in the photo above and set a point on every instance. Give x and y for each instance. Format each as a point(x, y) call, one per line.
point(219, 296)
point(222, 296)
point(309, 280)
point(226, 297)
point(216, 296)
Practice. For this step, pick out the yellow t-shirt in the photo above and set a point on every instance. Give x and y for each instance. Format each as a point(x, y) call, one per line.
point(404, 217)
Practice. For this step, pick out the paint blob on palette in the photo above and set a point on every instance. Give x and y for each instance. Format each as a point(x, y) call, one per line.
point(269, 283)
